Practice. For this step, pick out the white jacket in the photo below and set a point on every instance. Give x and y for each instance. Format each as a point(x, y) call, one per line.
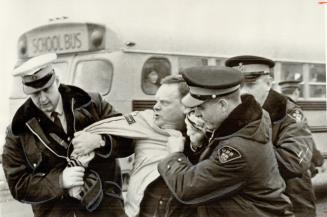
point(150, 148)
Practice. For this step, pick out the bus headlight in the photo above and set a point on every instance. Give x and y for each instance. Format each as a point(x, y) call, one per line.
point(97, 38)
point(22, 47)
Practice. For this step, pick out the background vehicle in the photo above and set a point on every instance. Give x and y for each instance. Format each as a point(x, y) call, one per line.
point(96, 58)
point(115, 62)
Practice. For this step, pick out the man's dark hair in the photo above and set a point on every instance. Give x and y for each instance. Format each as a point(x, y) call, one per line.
point(177, 79)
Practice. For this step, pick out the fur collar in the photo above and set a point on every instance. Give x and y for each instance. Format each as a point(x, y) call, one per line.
point(28, 110)
point(275, 105)
point(248, 111)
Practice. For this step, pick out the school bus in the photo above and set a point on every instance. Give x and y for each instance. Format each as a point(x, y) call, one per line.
point(96, 58)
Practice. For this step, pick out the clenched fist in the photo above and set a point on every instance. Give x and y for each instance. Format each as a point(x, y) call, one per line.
point(85, 142)
point(196, 131)
point(72, 176)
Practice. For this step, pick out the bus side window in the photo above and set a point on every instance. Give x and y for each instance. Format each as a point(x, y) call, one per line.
point(293, 71)
point(187, 61)
point(317, 81)
point(94, 76)
point(313, 77)
point(153, 71)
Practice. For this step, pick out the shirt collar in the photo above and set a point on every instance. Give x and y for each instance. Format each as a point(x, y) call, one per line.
point(59, 109)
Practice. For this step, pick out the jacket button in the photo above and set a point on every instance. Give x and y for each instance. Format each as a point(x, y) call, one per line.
point(160, 202)
point(168, 166)
point(34, 165)
point(68, 139)
point(179, 159)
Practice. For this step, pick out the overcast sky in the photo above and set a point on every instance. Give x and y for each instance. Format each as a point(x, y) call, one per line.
point(204, 20)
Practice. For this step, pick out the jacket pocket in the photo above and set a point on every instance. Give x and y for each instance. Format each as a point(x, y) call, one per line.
point(112, 189)
point(32, 153)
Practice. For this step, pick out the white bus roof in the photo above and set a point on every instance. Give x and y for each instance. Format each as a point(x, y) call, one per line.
point(281, 30)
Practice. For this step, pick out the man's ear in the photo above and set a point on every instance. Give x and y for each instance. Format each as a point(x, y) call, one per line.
point(222, 105)
point(57, 80)
point(296, 94)
point(267, 79)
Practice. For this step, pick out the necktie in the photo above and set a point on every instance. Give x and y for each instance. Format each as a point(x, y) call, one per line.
point(56, 120)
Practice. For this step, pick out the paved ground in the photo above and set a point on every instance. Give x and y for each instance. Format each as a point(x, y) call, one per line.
point(11, 208)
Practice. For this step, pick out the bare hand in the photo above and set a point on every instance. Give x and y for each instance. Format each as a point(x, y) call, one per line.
point(85, 142)
point(84, 160)
point(196, 135)
point(72, 176)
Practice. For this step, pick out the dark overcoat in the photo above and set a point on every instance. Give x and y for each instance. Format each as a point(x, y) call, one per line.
point(294, 145)
point(237, 174)
point(33, 160)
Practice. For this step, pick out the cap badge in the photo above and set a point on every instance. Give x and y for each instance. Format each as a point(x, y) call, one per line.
point(241, 67)
point(34, 77)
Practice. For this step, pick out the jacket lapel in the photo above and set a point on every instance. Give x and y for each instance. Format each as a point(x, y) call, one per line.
point(56, 149)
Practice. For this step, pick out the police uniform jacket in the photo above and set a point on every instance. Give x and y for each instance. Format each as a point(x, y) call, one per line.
point(33, 160)
point(293, 144)
point(237, 174)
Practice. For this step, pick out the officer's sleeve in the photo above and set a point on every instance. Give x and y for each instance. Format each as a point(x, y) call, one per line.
point(294, 145)
point(25, 183)
point(126, 145)
point(115, 146)
point(104, 109)
point(213, 178)
point(317, 158)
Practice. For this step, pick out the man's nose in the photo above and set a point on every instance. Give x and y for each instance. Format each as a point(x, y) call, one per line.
point(156, 106)
point(196, 112)
point(187, 110)
point(42, 96)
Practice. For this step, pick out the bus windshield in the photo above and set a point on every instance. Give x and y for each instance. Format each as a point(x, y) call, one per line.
point(94, 75)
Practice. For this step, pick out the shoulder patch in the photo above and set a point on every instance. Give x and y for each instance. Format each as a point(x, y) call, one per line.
point(129, 118)
point(227, 154)
point(297, 115)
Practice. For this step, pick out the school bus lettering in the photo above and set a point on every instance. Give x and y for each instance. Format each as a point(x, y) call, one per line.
point(71, 38)
point(57, 43)
point(78, 40)
point(57, 46)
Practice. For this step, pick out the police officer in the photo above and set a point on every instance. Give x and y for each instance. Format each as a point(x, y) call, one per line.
point(291, 89)
point(291, 136)
point(237, 173)
point(36, 155)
